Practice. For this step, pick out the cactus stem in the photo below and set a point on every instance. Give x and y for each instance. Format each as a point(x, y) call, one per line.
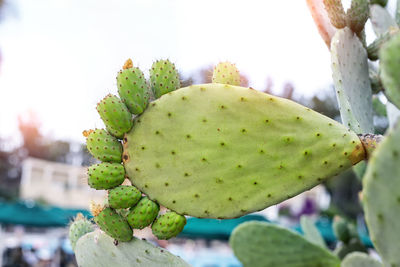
point(370, 142)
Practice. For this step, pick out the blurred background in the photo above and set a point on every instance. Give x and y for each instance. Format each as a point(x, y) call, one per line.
point(58, 58)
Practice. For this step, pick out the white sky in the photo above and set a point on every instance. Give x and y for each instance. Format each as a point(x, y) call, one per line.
point(61, 57)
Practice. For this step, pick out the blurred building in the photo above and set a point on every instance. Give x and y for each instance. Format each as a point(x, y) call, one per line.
point(57, 184)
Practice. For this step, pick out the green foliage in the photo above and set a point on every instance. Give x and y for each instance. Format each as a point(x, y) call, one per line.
point(98, 249)
point(259, 244)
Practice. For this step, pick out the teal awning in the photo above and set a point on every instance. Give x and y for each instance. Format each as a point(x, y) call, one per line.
point(33, 214)
point(213, 228)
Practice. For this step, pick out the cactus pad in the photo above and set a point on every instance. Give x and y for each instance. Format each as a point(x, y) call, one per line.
point(79, 227)
point(123, 196)
point(115, 115)
point(351, 79)
point(114, 225)
point(222, 151)
point(336, 13)
point(358, 259)
point(381, 198)
point(164, 78)
point(381, 20)
point(390, 69)
point(168, 225)
point(143, 214)
point(106, 175)
point(226, 73)
point(103, 146)
point(259, 244)
point(357, 15)
point(98, 249)
point(133, 89)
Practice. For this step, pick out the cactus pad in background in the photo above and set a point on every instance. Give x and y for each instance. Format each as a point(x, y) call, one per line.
point(351, 79)
point(98, 249)
point(358, 259)
point(226, 73)
point(133, 88)
point(381, 198)
point(259, 244)
point(79, 227)
point(115, 115)
point(311, 232)
point(143, 214)
point(216, 161)
point(103, 146)
point(168, 225)
point(390, 69)
point(123, 196)
point(164, 78)
point(381, 20)
point(112, 223)
point(106, 175)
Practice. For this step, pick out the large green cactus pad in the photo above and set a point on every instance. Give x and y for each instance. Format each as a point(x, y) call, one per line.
point(352, 84)
point(259, 244)
point(381, 19)
point(358, 259)
point(222, 151)
point(390, 69)
point(382, 198)
point(98, 249)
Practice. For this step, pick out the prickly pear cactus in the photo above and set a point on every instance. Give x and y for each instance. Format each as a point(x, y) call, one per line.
point(219, 162)
point(311, 232)
point(390, 69)
point(381, 198)
point(106, 175)
point(226, 73)
point(358, 259)
point(133, 88)
point(357, 15)
point(123, 197)
point(98, 249)
point(143, 214)
point(79, 227)
point(381, 20)
point(168, 225)
point(259, 244)
point(351, 79)
point(103, 146)
point(115, 115)
point(113, 224)
point(336, 13)
point(164, 78)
